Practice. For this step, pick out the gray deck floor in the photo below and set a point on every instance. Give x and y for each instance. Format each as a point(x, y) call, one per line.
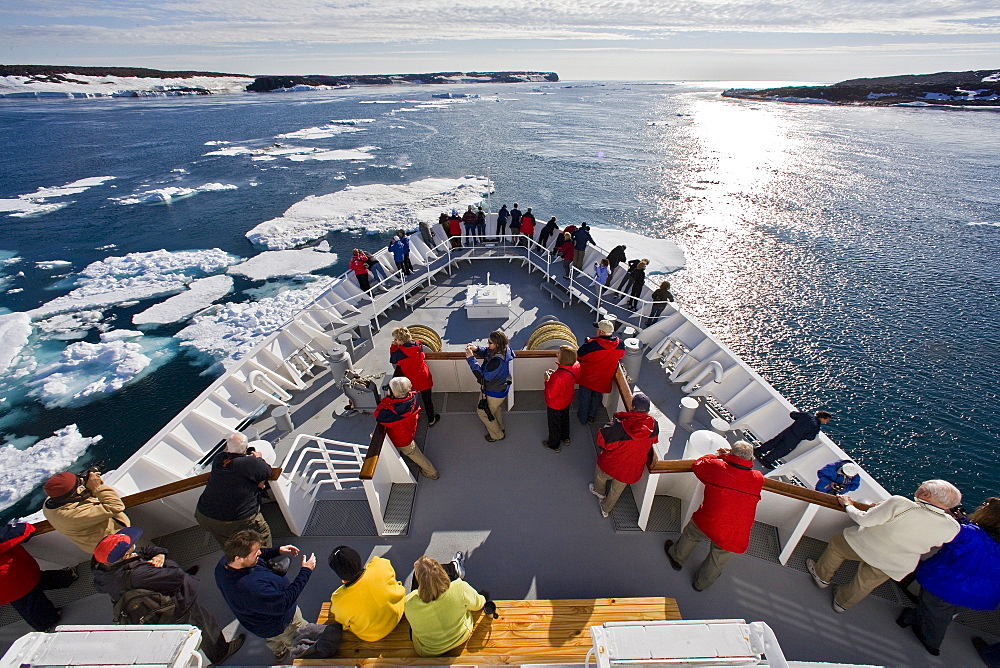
point(532, 529)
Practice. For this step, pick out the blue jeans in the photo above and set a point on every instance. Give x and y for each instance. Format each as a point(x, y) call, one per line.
point(588, 401)
point(378, 272)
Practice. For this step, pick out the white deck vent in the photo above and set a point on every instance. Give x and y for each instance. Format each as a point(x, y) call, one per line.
point(150, 646)
point(720, 642)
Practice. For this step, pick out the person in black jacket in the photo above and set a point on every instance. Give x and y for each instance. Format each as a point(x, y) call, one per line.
point(804, 427)
point(615, 258)
point(548, 230)
point(119, 566)
point(231, 500)
point(660, 297)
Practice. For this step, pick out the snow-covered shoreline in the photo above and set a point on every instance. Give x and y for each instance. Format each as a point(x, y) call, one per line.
point(84, 86)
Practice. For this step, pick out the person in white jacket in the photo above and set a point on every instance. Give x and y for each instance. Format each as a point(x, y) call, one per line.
point(889, 540)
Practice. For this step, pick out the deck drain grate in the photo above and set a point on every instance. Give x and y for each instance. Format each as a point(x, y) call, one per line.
point(397, 509)
point(346, 517)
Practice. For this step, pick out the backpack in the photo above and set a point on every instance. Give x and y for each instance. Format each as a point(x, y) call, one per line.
point(143, 606)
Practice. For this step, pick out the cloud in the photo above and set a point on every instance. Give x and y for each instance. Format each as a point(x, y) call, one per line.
point(262, 23)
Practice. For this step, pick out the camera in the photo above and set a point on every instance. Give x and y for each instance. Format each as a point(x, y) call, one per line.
point(484, 406)
point(96, 468)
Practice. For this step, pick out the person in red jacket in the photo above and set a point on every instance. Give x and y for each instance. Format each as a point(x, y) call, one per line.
point(560, 385)
point(455, 229)
point(408, 356)
point(599, 357)
point(625, 444)
point(359, 265)
point(528, 227)
point(23, 583)
point(732, 490)
point(566, 249)
point(398, 412)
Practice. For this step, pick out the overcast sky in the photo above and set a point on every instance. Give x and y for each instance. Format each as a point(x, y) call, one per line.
point(800, 40)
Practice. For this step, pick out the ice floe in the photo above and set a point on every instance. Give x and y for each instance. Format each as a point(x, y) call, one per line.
point(378, 207)
point(35, 204)
point(283, 263)
point(329, 130)
point(53, 264)
point(200, 294)
point(15, 328)
point(88, 371)
point(360, 153)
point(21, 470)
point(69, 326)
point(236, 329)
point(114, 280)
point(171, 193)
point(664, 255)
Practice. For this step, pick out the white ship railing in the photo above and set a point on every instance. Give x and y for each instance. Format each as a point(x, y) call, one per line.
point(289, 360)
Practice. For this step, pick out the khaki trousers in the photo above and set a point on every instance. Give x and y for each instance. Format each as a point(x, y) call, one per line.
point(716, 560)
point(864, 581)
point(601, 480)
point(412, 452)
point(284, 642)
point(495, 428)
point(223, 530)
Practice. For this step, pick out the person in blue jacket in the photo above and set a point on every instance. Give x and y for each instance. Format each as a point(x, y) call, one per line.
point(964, 573)
point(804, 427)
point(581, 237)
point(400, 249)
point(839, 477)
point(263, 602)
point(493, 374)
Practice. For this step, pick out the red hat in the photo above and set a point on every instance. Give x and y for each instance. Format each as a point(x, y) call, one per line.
point(60, 484)
point(113, 548)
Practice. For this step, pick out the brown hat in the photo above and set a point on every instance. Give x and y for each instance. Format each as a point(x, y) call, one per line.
point(60, 484)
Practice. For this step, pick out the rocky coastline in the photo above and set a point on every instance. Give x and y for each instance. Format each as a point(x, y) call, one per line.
point(973, 88)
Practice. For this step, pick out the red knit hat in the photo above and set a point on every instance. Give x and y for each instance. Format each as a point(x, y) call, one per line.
point(60, 484)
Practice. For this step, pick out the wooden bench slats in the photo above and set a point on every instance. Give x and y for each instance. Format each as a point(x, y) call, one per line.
point(527, 631)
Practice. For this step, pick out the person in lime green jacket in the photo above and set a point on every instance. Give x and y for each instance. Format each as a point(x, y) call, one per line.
point(439, 609)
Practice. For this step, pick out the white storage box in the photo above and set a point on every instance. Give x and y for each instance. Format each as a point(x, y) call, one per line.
point(109, 645)
point(488, 301)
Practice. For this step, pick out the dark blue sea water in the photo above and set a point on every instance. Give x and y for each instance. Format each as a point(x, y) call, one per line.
point(849, 254)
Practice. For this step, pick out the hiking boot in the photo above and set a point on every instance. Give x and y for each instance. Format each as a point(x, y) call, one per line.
point(434, 420)
point(233, 647)
point(459, 562)
point(596, 493)
point(811, 567)
point(674, 564)
point(549, 447)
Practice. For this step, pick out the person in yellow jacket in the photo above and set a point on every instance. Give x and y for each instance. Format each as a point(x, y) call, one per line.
point(369, 603)
point(85, 510)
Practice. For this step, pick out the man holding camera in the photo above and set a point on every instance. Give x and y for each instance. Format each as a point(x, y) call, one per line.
point(231, 500)
point(494, 377)
point(83, 508)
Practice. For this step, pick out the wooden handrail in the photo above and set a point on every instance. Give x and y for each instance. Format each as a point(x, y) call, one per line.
point(374, 450)
point(776, 486)
point(378, 436)
point(518, 354)
point(157, 493)
point(623, 388)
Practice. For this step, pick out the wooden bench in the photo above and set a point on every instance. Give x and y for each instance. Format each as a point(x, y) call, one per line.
point(557, 291)
point(545, 631)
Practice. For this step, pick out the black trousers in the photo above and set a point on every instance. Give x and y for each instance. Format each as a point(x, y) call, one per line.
point(35, 607)
point(558, 426)
point(427, 399)
point(363, 282)
point(213, 643)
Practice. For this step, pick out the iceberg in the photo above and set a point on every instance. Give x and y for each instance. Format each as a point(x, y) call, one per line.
point(272, 264)
point(170, 194)
point(89, 371)
point(376, 207)
point(35, 204)
point(15, 328)
point(199, 295)
point(114, 280)
point(21, 470)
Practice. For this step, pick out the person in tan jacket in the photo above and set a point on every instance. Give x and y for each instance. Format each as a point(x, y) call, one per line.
point(85, 510)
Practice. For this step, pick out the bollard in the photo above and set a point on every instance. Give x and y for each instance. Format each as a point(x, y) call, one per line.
point(688, 406)
point(347, 340)
point(633, 359)
point(719, 426)
point(282, 419)
point(340, 360)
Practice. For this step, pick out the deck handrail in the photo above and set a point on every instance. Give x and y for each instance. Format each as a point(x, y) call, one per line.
point(157, 493)
point(775, 486)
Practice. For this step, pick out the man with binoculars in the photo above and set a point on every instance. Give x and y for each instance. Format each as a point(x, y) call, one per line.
point(83, 508)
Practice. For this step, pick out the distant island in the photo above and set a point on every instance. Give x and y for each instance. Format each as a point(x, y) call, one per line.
point(974, 88)
point(19, 81)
